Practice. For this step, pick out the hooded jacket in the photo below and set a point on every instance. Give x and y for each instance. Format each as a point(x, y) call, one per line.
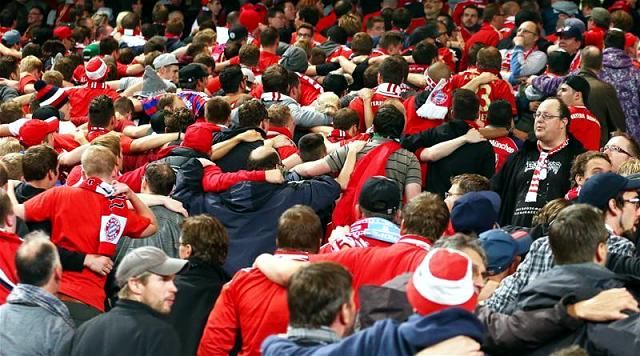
point(237, 158)
point(619, 71)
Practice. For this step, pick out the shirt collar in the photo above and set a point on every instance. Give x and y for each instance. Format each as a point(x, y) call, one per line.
point(323, 334)
point(416, 240)
point(294, 255)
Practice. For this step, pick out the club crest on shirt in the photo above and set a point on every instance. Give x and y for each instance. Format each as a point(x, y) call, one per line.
point(112, 228)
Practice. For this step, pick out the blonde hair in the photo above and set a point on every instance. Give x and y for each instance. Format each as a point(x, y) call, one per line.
point(207, 36)
point(351, 23)
point(304, 44)
point(98, 161)
point(111, 141)
point(30, 63)
point(10, 145)
point(13, 164)
point(327, 103)
point(53, 77)
point(629, 167)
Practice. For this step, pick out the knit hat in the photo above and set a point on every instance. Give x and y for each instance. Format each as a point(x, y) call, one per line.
point(600, 15)
point(475, 211)
point(11, 37)
point(444, 279)
point(35, 131)
point(295, 59)
point(380, 195)
point(199, 137)
point(48, 94)
point(565, 7)
point(152, 84)
point(580, 84)
point(250, 19)
point(96, 70)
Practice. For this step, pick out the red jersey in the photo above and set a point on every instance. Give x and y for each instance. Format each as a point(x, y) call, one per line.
point(76, 216)
point(284, 151)
point(340, 51)
point(80, 97)
point(9, 244)
point(378, 265)
point(418, 68)
point(383, 92)
point(595, 37)
point(487, 93)
point(327, 21)
point(64, 142)
point(416, 124)
point(237, 310)
point(310, 89)
point(266, 59)
point(585, 127)
point(487, 34)
point(503, 147)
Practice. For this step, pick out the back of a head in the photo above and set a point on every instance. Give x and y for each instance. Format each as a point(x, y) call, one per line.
point(439, 71)
point(36, 260)
point(461, 242)
point(591, 58)
point(345, 119)
point(251, 114)
point(317, 293)
point(269, 37)
point(500, 114)
point(6, 207)
point(394, 70)
point(98, 161)
point(559, 62)
point(101, 111)
point(576, 234)
point(160, 178)
point(311, 147)
point(299, 228)
point(390, 38)
point(425, 215)
point(338, 35)
point(217, 111)
point(262, 159)
point(230, 79)
point(465, 105)
point(37, 161)
point(490, 11)
point(614, 39)
point(473, 52)
point(362, 44)
point(275, 79)
point(208, 238)
point(401, 18)
point(424, 52)
point(249, 55)
point(389, 122)
point(489, 59)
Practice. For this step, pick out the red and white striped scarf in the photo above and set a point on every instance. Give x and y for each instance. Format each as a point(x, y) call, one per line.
point(540, 172)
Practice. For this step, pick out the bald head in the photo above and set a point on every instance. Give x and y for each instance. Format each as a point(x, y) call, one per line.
point(591, 58)
point(438, 71)
point(263, 158)
point(489, 59)
point(36, 260)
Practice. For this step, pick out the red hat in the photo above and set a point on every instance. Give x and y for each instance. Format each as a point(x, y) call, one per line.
point(62, 32)
point(250, 19)
point(199, 136)
point(96, 70)
point(444, 279)
point(629, 40)
point(48, 94)
point(619, 5)
point(35, 131)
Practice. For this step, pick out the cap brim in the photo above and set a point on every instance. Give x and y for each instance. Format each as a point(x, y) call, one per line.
point(169, 267)
point(523, 244)
point(633, 183)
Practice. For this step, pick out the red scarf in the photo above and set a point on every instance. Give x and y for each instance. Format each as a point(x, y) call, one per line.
point(113, 217)
point(541, 171)
point(372, 164)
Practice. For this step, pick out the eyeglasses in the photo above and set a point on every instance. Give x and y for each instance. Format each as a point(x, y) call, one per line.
point(635, 201)
point(545, 116)
point(614, 148)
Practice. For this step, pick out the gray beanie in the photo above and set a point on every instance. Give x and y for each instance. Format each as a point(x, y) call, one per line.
point(152, 84)
point(295, 59)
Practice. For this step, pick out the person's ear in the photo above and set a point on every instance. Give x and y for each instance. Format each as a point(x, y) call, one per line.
point(613, 208)
point(580, 180)
point(601, 253)
point(135, 285)
point(357, 212)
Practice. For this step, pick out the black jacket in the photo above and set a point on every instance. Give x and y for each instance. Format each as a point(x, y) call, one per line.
point(470, 158)
point(198, 288)
point(131, 328)
point(236, 159)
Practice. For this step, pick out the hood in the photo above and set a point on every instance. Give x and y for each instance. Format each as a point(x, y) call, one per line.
point(249, 197)
point(424, 331)
point(328, 47)
point(615, 58)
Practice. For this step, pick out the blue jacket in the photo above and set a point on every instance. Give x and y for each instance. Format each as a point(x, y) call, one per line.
point(250, 212)
point(388, 337)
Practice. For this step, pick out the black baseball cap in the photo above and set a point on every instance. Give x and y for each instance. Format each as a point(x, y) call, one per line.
point(192, 72)
point(237, 33)
point(380, 195)
point(598, 189)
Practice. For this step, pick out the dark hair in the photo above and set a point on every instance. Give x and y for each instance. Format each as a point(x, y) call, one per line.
point(311, 147)
point(425, 215)
point(175, 28)
point(580, 163)
point(361, 44)
point(269, 37)
point(37, 161)
point(336, 83)
point(470, 182)
point(108, 45)
point(275, 79)
point(8, 66)
point(614, 39)
point(160, 13)
point(309, 14)
point(32, 49)
point(101, 111)
point(160, 178)
point(490, 11)
point(337, 34)
point(125, 55)
point(7, 17)
point(473, 52)
point(372, 20)
point(489, 58)
point(299, 228)
point(217, 110)
point(205, 59)
point(465, 105)
point(130, 21)
point(35, 264)
point(500, 113)
point(576, 233)
point(401, 18)
point(318, 56)
point(394, 70)
point(231, 49)
point(267, 162)
point(345, 119)
point(251, 114)
point(390, 38)
point(155, 43)
point(343, 7)
point(559, 62)
point(370, 76)
point(231, 78)
point(387, 16)
point(389, 121)
point(178, 121)
point(424, 52)
point(316, 294)
point(208, 238)
point(123, 105)
point(149, 30)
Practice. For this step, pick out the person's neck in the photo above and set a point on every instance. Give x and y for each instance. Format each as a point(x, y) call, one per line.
point(41, 184)
point(269, 49)
point(614, 224)
point(549, 145)
point(51, 286)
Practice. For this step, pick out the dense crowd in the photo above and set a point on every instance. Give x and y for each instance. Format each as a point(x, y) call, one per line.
point(319, 177)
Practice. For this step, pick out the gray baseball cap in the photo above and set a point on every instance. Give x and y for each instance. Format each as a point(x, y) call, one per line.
point(147, 259)
point(165, 59)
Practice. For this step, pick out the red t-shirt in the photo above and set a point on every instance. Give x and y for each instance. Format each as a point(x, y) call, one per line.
point(383, 92)
point(64, 142)
point(27, 79)
point(266, 59)
point(310, 89)
point(133, 179)
point(378, 265)
point(503, 147)
point(340, 51)
point(284, 151)
point(327, 21)
point(585, 127)
point(80, 97)
point(416, 124)
point(487, 35)
point(9, 244)
point(236, 310)
point(125, 141)
point(487, 93)
point(75, 215)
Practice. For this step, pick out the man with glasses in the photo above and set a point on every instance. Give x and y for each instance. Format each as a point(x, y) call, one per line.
point(524, 59)
point(540, 171)
point(620, 148)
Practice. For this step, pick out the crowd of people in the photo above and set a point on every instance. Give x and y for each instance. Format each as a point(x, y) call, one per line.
point(319, 177)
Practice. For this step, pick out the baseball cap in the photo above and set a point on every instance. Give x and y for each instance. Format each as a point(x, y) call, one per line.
point(475, 211)
point(11, 37)
point(444, 279)
point(199, 137)
point(34, 131)
point(570, 32)
point(580, 84)
point(163, 60)
point(91, 51)
point(501, 248)
point(380, 195)
point(147, 259)
point(575, 22)
point(192, 72)
point(565, 7)
point(62, 32)
point(238, 32)
point(600, 14)
point(598, 189)
point(46, 112)
point(295, 59)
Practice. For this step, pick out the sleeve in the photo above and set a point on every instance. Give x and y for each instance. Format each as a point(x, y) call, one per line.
point(308, 117)
point(214, 180)
point(71, 260)
point(14, 127)
point(534, 63)
point(125, 144)
point(133, 178)
point(336, 159)
point(325, 68)
point(489, 163)
point(136, 224)
point(42, 206)
point(357, 105)
point(624, 265)
point(526, 330)
point(219, 335)
point(164, 341)
point(319, 193)
point(425, 138)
